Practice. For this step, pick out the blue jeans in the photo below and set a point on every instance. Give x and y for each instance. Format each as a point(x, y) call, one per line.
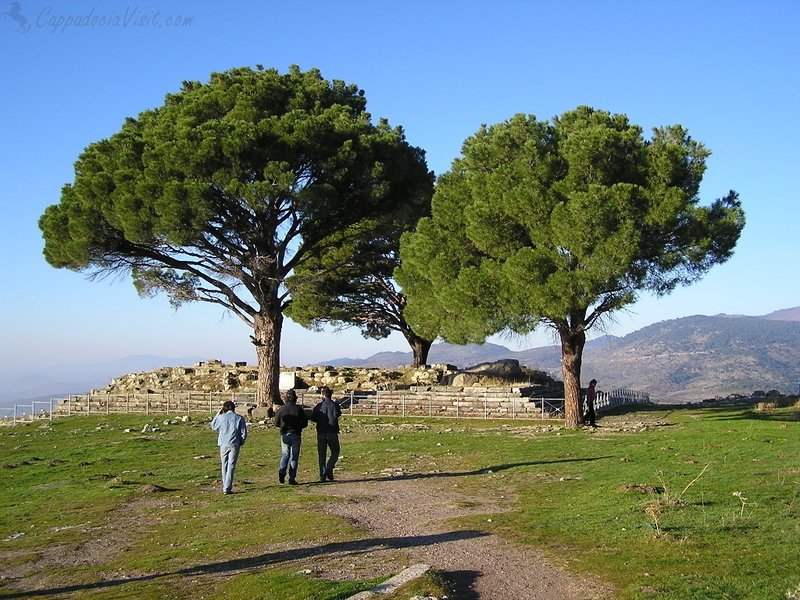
point(228, 456)
point(290, 452)
point(325, 441)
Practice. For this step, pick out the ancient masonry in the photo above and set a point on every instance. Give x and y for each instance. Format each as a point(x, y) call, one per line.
point(501, 389)
point(216, 376)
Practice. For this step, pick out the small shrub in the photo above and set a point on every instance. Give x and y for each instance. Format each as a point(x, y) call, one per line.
point(765, 406)
point(642, 488)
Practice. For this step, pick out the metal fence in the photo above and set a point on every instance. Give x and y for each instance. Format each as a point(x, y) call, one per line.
point(467, 403)
point(448, 405)
point(619, 397)
point(169, 402)
point(26, 413)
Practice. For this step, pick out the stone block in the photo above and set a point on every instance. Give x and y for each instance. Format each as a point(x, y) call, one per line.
point(287, 381)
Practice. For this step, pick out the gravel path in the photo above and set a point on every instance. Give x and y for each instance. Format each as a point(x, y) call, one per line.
point(413, 513)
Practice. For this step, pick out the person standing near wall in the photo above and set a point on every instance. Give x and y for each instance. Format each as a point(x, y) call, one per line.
point(291, 420)
point(326, 415)
point(232, 430)
point(591, 396)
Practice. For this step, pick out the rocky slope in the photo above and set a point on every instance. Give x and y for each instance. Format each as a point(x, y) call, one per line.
point(686, 359)
point(681, 360)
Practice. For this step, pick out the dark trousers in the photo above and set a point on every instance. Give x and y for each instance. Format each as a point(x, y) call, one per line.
point(590, 418)
point(290, 453)
point(325, 441)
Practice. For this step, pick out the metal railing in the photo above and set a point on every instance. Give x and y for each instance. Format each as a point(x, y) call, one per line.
point(452, 405)
point(619, 397)
point(26, 413)
point(446, 403)
point(158, 403)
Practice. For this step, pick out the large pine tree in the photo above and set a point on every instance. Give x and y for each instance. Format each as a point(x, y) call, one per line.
point(560, 223)
point(219, 194)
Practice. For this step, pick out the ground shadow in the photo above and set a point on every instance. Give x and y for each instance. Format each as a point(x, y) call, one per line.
point(481, 471)
point(463, 584)
point(240, 565)
point(751, 414)
point(625, 409)
point(744, 409)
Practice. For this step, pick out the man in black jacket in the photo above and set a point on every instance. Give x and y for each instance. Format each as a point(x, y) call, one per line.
point(291, 419)
point(326, 415)
point(591, 397)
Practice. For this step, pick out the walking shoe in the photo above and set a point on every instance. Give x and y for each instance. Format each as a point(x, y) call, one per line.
point(293, 482)
point(329, 475)
point(322, 478)
point(281, 477)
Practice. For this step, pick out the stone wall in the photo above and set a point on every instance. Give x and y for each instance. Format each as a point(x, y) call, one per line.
point(216, 376)
point(416, 401)
point(492, 390)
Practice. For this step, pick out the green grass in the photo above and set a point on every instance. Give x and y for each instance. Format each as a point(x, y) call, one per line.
point(674, 504)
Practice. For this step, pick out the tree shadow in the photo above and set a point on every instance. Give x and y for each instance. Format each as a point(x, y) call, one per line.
point(748, 412)
point(744, 409)
point(463, 584)
point(482, 471)
point(253, 563)
point(625, 409)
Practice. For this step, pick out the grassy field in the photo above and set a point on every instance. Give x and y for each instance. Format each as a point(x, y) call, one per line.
point(674, 503)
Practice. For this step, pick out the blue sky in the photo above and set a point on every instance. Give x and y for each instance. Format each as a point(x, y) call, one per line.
point(72, 71)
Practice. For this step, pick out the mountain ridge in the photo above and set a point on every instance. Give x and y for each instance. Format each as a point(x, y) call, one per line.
point(688, 358)
point(685, 359)
point(19, 388)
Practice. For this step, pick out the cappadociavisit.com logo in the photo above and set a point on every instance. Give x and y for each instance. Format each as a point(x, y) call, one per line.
point(15, 13)
point(59, 20)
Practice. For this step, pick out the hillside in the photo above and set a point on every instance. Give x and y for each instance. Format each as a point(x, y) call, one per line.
point(692, 358)
point(786, 314)
point(461, 356)
point(700, 357)
point(40, 384)
point(685, 359)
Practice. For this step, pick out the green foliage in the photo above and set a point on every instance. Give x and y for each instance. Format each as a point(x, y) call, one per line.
point(540, 221)
point(349, 280)
point(561, 223)
point(226, 178)
point(219, 194)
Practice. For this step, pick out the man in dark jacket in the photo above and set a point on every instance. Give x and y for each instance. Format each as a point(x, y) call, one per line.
point(591, 397)
point(291, 419)
point(326, 415)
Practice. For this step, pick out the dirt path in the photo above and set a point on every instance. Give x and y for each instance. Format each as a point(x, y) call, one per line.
point(413, 513)
point(407, 519)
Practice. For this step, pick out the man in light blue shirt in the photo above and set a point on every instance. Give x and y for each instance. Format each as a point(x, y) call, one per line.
point(232, 435)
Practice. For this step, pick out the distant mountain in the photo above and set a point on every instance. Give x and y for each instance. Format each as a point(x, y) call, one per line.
point(702, 357)
point(787, 314)
point(548, 358)
point(685, 359)
point(25, 387)
point(460, 356)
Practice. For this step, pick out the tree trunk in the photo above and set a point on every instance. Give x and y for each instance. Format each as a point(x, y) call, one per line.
point(419, 345)
point(267, 340)
point(419, 348)
point(572, 344)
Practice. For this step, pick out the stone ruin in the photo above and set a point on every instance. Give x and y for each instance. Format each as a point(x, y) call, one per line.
point(216, 376)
